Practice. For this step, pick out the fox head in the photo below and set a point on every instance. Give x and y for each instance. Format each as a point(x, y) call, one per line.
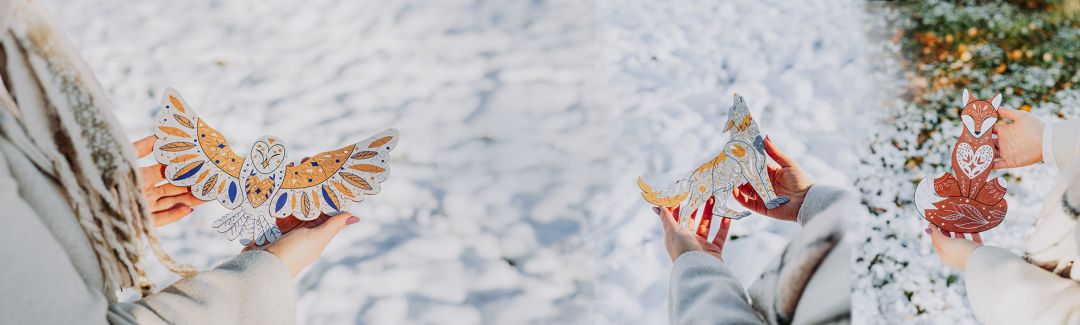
point(978, 115)
point(738, 114)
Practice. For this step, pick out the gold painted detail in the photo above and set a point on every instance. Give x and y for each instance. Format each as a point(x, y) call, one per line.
point(217, 150)
point(317, 169)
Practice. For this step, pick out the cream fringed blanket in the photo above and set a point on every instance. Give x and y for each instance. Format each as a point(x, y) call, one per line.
point(56, 113)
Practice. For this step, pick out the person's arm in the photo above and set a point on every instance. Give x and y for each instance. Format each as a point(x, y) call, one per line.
point(42, 286)
point(704, 291)
point(1004, 289)
point(819, 198)
point(252, 288)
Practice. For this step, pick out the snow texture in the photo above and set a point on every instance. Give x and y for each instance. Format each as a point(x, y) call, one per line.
point(482, 218)
point(668, 70)
point(511, 197)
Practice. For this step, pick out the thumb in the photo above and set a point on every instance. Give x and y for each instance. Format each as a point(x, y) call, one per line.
point(1012, 114)
point(144, 146)
point(779, 156)
point(333, 226)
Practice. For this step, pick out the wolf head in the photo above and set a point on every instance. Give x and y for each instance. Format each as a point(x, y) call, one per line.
point(738, 114)
point(978, 115)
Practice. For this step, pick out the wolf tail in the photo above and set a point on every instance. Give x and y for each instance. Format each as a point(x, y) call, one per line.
point(662, 198)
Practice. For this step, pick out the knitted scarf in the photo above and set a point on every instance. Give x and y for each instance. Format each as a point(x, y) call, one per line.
point(58, 114)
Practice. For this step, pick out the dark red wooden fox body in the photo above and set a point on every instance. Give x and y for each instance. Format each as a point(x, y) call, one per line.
point(966, 201)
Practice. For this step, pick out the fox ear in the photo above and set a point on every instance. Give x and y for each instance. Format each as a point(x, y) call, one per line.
point(965, 98)
point(996, 101)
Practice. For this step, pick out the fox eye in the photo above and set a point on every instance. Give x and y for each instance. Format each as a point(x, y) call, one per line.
point(969, 123)
point(987, 123)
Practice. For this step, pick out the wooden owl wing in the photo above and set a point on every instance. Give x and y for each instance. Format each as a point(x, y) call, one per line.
point(331, 181)
point(195, 154)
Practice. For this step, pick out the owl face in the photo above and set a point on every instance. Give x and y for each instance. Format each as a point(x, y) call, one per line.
point(267, 155)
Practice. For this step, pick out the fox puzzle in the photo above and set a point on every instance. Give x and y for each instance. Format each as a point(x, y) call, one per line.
point(966, 200)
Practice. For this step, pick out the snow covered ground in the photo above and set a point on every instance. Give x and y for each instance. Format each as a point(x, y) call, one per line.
point(523, 127)
point(483, 217)
point(667, 69)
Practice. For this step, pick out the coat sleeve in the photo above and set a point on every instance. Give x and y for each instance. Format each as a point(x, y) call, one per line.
point(253, 288)
point(704, 291)
point(1061, 147)
point(1004, 289)
point(819, 198)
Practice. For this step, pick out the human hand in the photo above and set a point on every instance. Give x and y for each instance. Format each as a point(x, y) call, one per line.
point(953, 252)
point(168, 203)
point(679, 239)
point(788, 179)
point(1018, 143)
point(303, 243)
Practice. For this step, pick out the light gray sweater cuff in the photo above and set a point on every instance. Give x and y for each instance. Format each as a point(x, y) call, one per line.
point(1047, 145)
point(819, 198)
point(704, 291)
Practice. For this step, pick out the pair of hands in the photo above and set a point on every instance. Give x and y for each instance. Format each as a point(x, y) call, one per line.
point(787, 179)
point(300, 246)
point(1019, 144)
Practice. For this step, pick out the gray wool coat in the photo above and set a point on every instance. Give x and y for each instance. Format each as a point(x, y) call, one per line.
point(809, 283)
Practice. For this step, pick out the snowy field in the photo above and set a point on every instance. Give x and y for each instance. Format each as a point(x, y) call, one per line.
point(523, 127)
point(483, 217)
point(667, 70)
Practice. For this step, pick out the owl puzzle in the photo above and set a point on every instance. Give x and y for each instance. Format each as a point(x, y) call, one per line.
point(260, 186)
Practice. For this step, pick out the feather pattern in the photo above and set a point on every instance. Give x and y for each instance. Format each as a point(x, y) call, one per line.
point(261, 186)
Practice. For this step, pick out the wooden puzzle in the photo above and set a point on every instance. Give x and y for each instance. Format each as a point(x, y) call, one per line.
point(742, 160)
point(260, 185)
point(965, 201)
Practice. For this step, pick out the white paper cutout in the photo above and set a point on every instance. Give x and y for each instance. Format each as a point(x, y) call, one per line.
point(261, 186)
point(743, 160)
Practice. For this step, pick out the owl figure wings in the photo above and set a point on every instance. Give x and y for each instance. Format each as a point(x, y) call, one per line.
point(260, 186)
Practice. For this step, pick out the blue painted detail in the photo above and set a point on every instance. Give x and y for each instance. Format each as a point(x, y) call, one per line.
point(222, 146)
point(759, 144)
point(326, 196)
point(314, 164)
point(281, 202)
point(189, 173)
point(232, 191)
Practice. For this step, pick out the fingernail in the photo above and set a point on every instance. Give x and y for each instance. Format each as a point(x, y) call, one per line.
point(351, 220)
point(656, 210)
point(927, 230)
